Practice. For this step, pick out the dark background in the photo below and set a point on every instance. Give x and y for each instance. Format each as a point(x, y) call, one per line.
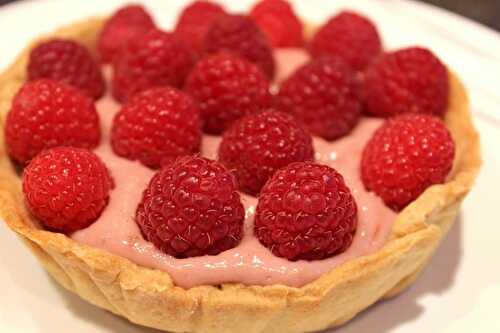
point(484, 11)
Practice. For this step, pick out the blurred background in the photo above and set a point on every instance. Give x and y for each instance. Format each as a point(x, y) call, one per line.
point(484, 11)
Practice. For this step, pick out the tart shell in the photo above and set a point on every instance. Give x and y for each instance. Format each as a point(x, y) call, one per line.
point(149, 297)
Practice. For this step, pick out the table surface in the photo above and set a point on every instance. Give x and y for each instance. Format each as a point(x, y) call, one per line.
point(459, 290)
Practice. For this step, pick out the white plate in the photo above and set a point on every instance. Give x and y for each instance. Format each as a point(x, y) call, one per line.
point(460, 288)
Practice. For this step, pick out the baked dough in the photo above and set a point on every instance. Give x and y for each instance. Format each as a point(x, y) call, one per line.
point(148, 297)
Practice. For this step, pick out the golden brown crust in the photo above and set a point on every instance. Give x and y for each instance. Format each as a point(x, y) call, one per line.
point(149, 297)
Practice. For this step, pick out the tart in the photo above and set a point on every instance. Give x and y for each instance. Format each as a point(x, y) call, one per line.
point(150, 297)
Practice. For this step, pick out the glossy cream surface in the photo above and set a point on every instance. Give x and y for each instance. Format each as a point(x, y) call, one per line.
point(250, 262)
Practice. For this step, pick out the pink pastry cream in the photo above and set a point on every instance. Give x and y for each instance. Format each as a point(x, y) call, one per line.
point(249, 263)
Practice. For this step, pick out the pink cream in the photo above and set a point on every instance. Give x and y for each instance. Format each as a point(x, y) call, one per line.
point(249, 263)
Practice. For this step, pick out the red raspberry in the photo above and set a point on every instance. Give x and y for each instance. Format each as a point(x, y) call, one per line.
point(66, 188)
point(195, 20)
point(408, 80)
point(259, 144)
point(306, 212)
point(279, 23)
point(156, 126)
point(127, 23)
point(67, 61)
point(350, 36)
point(322, 94)
point(407, 154)
point(46, 114)
point(227, 87)
point(156, 59)
point(191, 208)
point(240, 34)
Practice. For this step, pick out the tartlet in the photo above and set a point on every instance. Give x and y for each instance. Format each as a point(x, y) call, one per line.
point(149, 297)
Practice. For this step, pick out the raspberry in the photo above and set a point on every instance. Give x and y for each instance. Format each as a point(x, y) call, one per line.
point(46, 114)
point(195, 20)
point(408, 80)
point(227, 87)
point(191, 208)
point(239, 34)
point(351, 37)
point(127, 23)
point(407, 154)
point(259, 144)
point(67, 61)
point(306, 212)
point(322, 94)
point(156, 59)
point(279, 23)
point(156, 126)
point(66, 188)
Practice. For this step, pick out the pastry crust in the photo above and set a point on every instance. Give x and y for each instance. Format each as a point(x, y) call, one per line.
point(148, 297)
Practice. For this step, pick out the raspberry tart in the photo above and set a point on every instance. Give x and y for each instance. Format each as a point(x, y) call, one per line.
point(236, 176)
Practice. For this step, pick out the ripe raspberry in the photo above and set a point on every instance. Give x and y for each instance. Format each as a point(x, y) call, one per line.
point(46, 114)
point(156, 59)
point(259, 144)
point(408, 80)
point(67, 61)
point(66, 188)
point(351, 37)
point(239, 34)
point(322, 94)
point(227, 87)
point(279, 23)
point(306, 212)
point(156, 126)
point(407, 154)
point(191, 208)
point(127, 23)
point(195, 20)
